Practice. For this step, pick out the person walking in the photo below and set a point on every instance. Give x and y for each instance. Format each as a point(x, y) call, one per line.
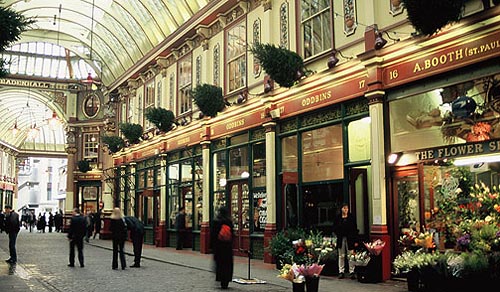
point(97, 224)
point(2, 221)
point(180, 226)
point(51, 221)
point(221, 238)
point(58, 221)
point(136, 228)
point(12, 227)
point(118, 229)
point(345, 228)
point(76, 233)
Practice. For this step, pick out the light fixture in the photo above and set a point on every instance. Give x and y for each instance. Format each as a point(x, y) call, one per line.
point(477, 159)
point(268, 85)
point(15, 129)
point(242, 97)
point(379, 40)
point(333, 60)
point(32, 132)
point(54, 121)
point(245, 174)
point(89, 81)
point(393, 158)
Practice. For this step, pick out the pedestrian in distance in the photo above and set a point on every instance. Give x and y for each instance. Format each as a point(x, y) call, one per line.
point(12, 227)
point(90, 225)
point(344, 226)
point(136, 229)
point(2, 221)
point(76, 233)
point(221, 238)
point(51, 221)
point(58, 221)
point(119, 232)
point(41, 223)
point(97, 224)
point(180, 226)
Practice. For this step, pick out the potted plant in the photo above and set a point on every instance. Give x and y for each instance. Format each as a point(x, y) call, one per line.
point(162, 118)
point(209, 99)
point(429, 16)
point(132, 132)
point(13, 24)
point(84, 166)
point(114, 143)
point(283, 66)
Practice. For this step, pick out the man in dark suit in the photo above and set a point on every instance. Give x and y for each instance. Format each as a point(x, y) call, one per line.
point(12, 227)
point(136, 228)
point(180, 226)
point(76, 233)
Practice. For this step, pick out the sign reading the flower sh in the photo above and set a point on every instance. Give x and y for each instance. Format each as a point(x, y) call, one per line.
point(490, 149)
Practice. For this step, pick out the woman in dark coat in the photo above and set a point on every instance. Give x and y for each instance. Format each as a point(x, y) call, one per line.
point(222, 245)
point(119, 235)
point(347, 232)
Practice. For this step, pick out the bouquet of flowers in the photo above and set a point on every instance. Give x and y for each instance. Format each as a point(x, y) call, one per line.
point(325, 248)
point(359, 258)
point(424, 239)
point(375, 247)
point(291, 273)
point(313, 270)
point(407, 240)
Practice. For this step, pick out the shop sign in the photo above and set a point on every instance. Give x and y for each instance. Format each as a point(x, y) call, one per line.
point(239, 123)
point(459, 150)
point(467, 52)
point(334, 93)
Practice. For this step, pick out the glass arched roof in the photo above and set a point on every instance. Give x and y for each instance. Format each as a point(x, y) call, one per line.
point(114, 34)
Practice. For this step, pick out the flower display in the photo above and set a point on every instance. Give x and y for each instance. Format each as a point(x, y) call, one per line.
point(407, 240)
point(375, 247)
point(425, 240)
point(359, 258)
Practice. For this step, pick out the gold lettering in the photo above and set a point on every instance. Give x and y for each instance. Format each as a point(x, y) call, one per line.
point(316, 98)
point(417, 68)
point(478, 148)
point(235, 124)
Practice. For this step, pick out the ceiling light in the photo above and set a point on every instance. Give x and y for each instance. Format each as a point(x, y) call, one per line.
point(393, 158)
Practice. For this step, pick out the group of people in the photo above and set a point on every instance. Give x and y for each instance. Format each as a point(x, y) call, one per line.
point(120, 227)
point(222, 234)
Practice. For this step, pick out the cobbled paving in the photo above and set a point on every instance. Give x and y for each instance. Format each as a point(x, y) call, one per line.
point(43, 258)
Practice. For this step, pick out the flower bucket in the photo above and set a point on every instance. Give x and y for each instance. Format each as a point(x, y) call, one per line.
point(312, 284)
point(299, 286)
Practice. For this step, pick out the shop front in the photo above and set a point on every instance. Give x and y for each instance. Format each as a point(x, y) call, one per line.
point(445, 139)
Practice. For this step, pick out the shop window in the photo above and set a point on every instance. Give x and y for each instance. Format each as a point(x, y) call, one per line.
point(259, 164)
point(315, 27)
point(238, 163)
point(321, 204)
point(289, 150)
point(455, 114)
point(236, 57)
point(220, 180)
point(322, 154)
point(359, 139)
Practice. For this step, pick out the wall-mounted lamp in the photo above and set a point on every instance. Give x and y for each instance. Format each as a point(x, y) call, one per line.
point(242, 97)
point(393, 158)
point(379, 40)
point(268, 84)
point(184, 121)
point(333, 60)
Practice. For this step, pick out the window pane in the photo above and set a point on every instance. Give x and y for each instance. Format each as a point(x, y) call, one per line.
point(359, 138)
point(322, 157)
point(238, 162)
point(259, 164)
point(289, 161)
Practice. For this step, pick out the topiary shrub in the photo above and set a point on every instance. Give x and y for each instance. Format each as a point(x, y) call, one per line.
point(162, 118)
point(114, 143)
point(209, 99)
point(283, 66)
point(132, 132)
point(84, 166)
point(429, 16)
